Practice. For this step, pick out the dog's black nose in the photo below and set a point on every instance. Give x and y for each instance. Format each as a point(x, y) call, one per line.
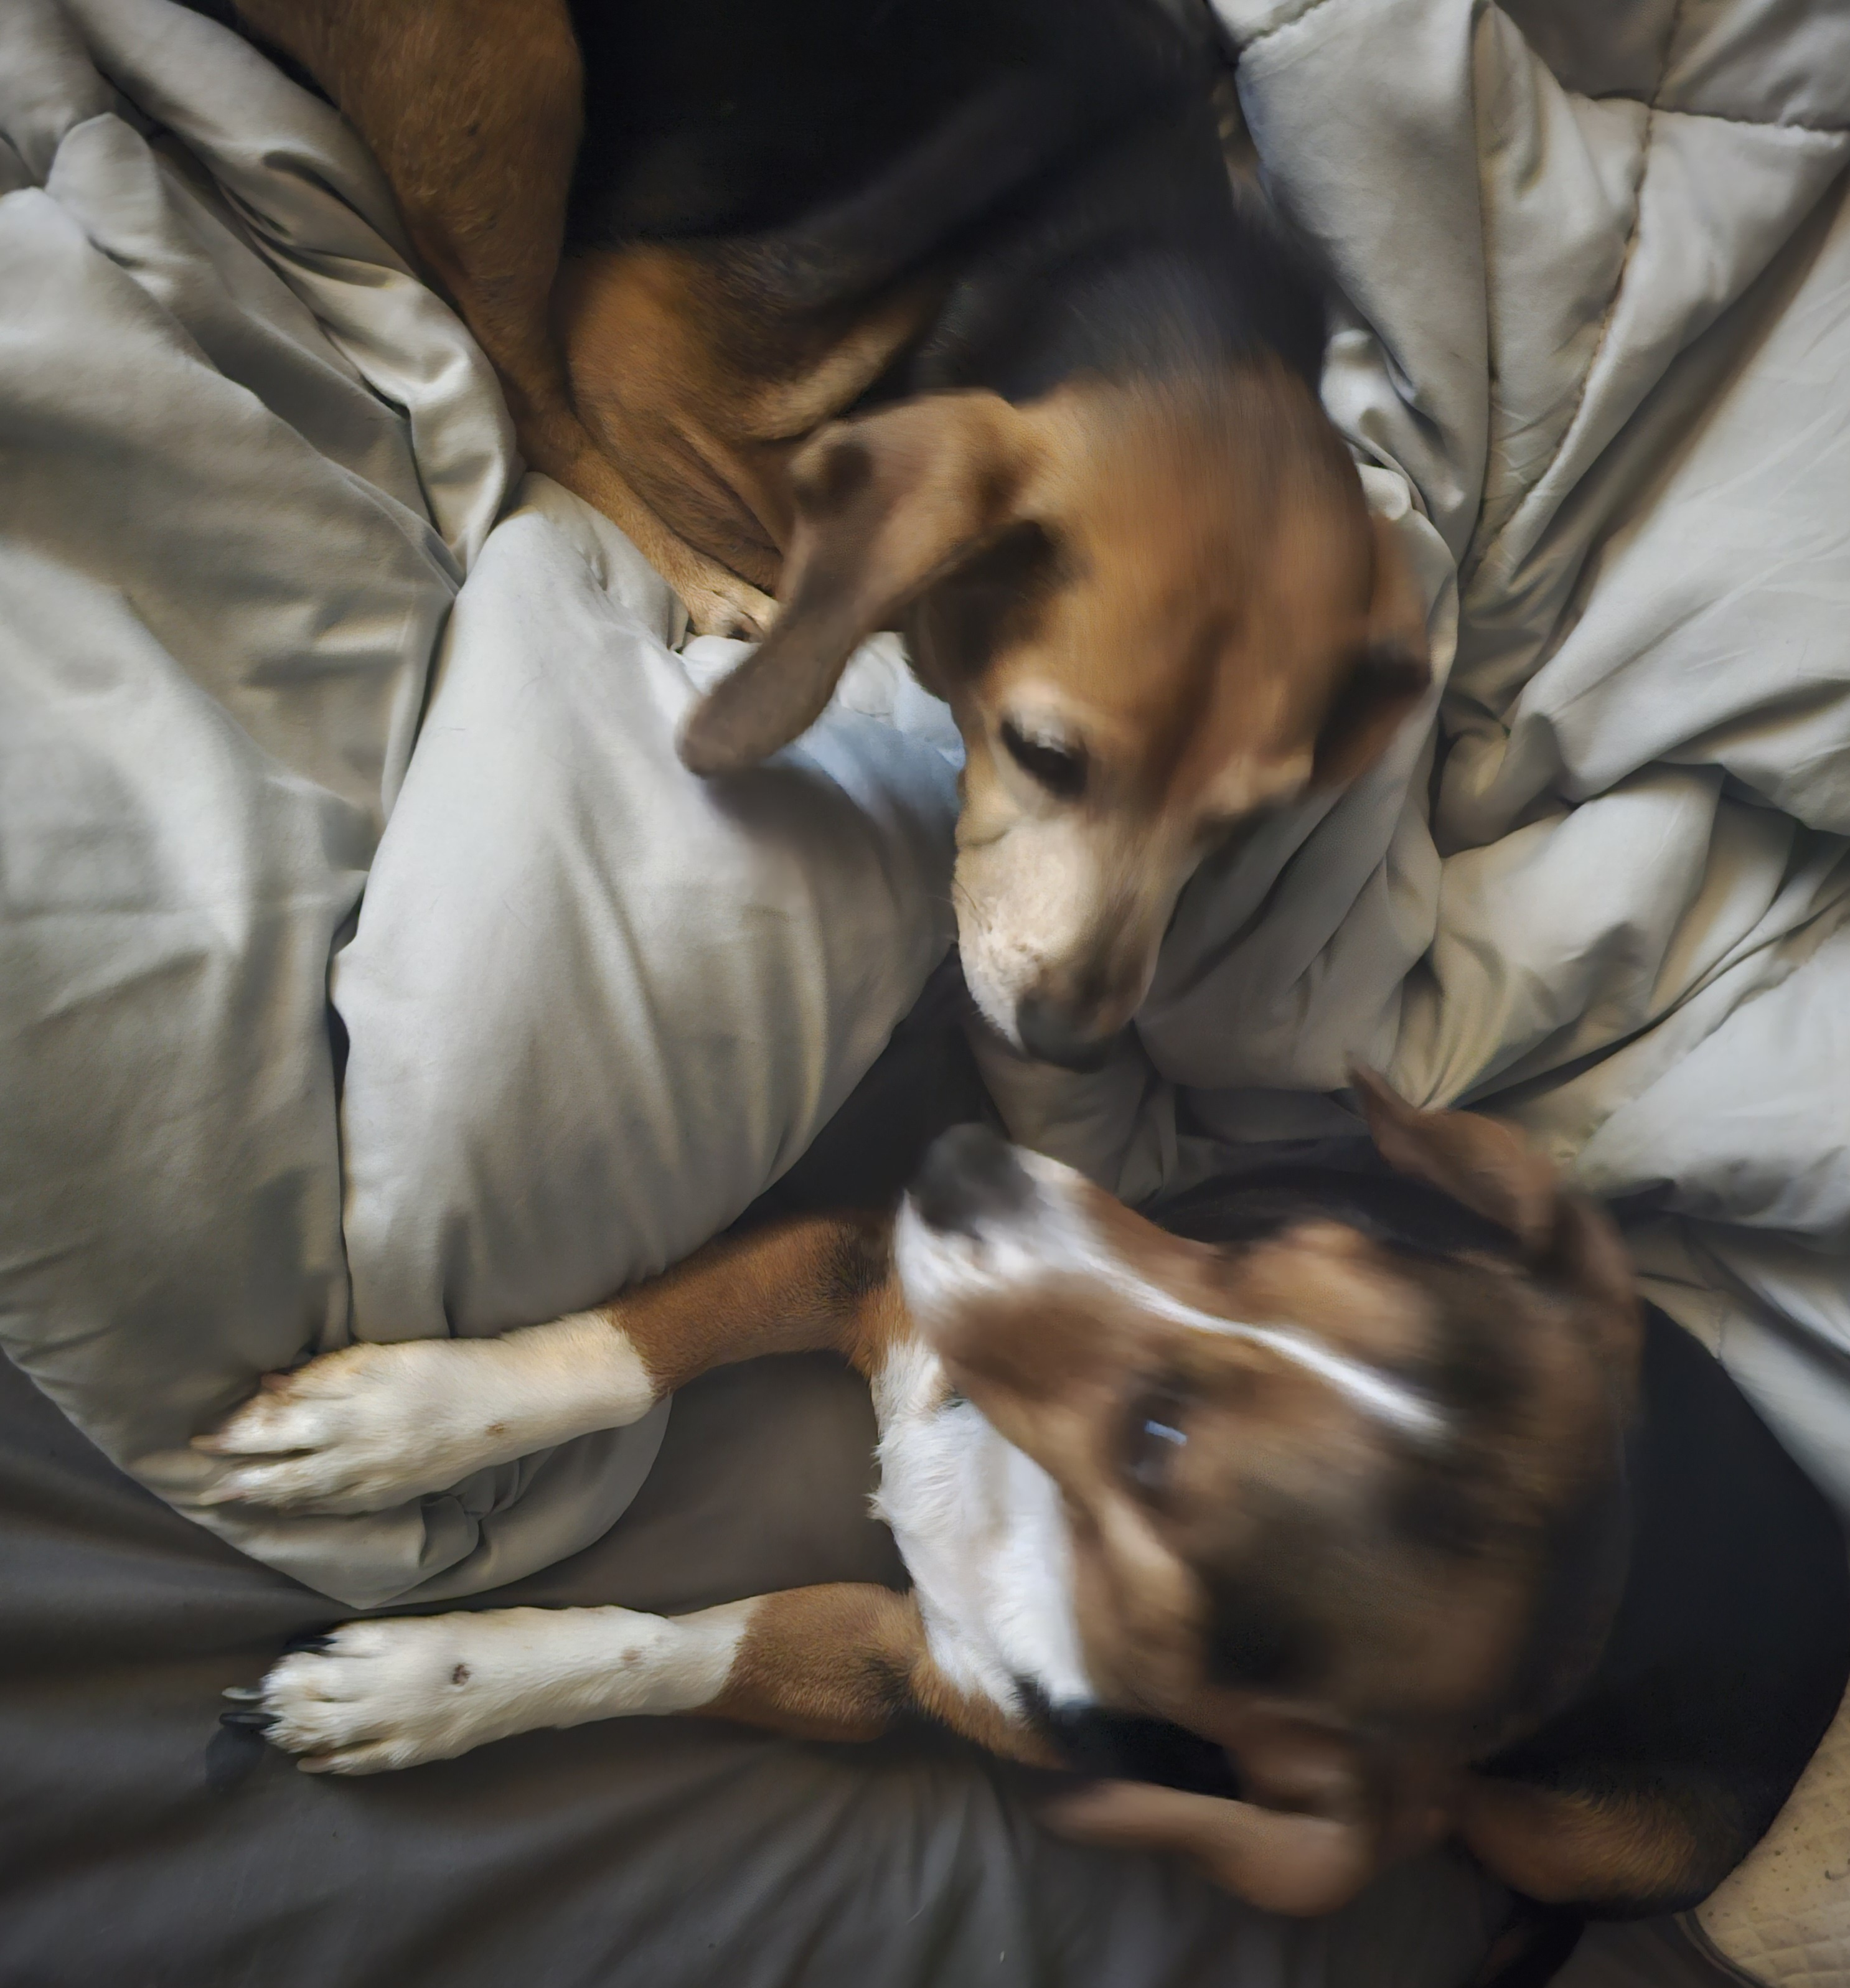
point(1050, 1035)
point(968, 1174)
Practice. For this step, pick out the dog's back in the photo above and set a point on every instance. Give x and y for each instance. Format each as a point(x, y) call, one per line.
point(722, 118)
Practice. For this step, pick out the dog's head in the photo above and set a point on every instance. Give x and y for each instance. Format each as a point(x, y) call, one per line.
point(1316, 1484)
point(1157, 611)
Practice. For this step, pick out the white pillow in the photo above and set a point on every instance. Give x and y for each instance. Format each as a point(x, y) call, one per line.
point(596, 1006)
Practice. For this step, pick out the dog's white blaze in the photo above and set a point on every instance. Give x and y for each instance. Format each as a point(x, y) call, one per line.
point(939, 1270)
point(1367, 1387)
point(984, 1534)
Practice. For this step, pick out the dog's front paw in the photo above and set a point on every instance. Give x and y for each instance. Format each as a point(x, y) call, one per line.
point(377, 1695)
point(720, 603)
point(363, 1429)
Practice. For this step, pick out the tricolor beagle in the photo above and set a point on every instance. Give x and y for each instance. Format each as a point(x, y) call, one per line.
point(1342, 1514)
point(944, 315)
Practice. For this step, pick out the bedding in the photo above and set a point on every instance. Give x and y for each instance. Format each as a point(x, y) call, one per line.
point(370, 968)
point(261, 527)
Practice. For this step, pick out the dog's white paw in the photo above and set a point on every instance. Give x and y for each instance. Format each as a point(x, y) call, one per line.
point(376, 1695)
point(363, 1429)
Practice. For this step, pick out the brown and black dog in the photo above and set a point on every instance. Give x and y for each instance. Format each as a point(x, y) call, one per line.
point(944, 315)
point(1344, 1512)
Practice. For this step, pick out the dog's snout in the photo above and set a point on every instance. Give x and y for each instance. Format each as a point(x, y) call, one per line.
point(968, 1174)
point(1051, 1033)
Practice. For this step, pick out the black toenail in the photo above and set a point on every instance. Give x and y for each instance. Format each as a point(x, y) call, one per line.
point(311, 1642)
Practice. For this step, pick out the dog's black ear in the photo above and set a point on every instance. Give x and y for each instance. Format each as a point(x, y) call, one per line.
point(885, 505)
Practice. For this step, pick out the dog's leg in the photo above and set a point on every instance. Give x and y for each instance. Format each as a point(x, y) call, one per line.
point(474, 110)
point(834, 1662)
point(367, 1427)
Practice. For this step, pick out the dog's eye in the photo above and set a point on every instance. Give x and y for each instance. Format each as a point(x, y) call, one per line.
point(1061, 769)
point(1155, 1440)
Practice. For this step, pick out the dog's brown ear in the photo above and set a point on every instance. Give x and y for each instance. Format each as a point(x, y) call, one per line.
point(1474, 1160)
point(1392, 677)
point(885, 505)
point(1489, 1168)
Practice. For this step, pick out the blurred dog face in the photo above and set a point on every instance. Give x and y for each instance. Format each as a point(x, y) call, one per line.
point(1158, 611)
point(1199, 624)
point(1309, 1480)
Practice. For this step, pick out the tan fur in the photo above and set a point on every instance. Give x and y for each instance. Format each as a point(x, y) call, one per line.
point(843, 1661)
point(682, 369)
point(810, 1284)
point(1628, 1849)
point(473, 109)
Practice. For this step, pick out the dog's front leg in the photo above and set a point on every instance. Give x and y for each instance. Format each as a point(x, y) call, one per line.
point(365, 1429)
point(833, 1662)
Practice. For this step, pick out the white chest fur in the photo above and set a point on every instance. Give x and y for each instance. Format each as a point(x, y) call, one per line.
point(982, 1530)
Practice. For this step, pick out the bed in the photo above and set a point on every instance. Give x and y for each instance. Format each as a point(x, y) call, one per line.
point(371, 969)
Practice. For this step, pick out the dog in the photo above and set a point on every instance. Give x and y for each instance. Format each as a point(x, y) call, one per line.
point(940, 315)
point(1345, 1513)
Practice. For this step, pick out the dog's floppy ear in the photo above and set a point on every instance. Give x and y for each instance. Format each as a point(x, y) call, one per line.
point(1489, 1168)
point(885, 505)
point(1392, 677)
point(1474, 1160)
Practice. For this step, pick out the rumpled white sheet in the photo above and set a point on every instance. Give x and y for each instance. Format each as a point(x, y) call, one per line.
point(260, 532)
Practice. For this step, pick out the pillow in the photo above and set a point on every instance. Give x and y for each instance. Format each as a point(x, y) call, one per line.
point(595, 1005)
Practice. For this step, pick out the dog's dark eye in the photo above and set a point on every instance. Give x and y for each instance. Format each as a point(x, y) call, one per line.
point(1060, 770)
point(1157, 1436)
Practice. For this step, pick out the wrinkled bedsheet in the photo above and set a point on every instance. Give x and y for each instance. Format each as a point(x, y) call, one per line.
point(260, 527)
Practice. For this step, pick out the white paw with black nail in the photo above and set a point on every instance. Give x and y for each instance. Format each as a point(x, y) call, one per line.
point(375, 1695)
